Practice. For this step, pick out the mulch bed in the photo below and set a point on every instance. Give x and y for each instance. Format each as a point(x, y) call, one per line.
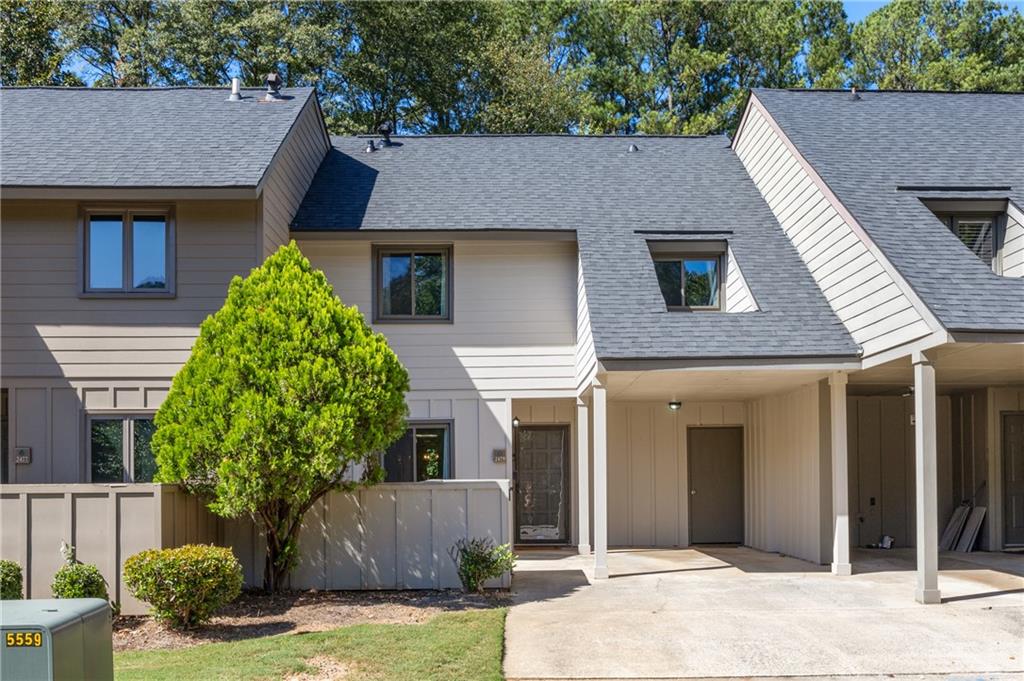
point(255, 614)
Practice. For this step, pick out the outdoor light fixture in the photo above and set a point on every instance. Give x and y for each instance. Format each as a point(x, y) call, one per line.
point(515, 421)
point(675, 406)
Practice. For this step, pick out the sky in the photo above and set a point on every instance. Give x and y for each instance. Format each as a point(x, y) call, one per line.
point(858, 9)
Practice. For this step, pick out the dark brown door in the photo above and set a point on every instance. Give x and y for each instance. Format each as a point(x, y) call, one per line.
point(715, 467)
point(1013, 479)
point(542, 484)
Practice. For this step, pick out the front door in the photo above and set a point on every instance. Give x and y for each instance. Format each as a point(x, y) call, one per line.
point(542, 484)
point(1013, 478)
point(715, 458)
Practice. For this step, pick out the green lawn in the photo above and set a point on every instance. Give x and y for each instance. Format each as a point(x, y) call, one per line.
point(452, 646)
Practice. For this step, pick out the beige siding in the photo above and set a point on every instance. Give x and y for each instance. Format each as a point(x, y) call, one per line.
point(106, 524)
point(1013, 247)
point(738, 297)
point(859, 285)
point(514, 310)
point(586, 356)
point(391, 536)
point(49, 331)
point(648, 504)
point(785, 474)
point(290, 174)
point(999, 401)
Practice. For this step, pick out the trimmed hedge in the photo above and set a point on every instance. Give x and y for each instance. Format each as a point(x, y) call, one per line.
point(187, 585)
point(10, 581)
point(79, 580)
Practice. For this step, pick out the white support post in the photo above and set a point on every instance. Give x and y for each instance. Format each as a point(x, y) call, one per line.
point(582, 478)
point(600, 482)
point(926, 477)
point(840, 476)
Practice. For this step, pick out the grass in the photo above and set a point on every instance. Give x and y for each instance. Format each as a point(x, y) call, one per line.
point(452, 646)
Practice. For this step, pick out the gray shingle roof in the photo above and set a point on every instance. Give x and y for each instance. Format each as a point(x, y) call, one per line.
point(865, 148)
point(595, 187)
point(140, 137)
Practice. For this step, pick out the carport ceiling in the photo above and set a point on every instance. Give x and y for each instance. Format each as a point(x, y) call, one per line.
point(705, 384)
point(958, 365)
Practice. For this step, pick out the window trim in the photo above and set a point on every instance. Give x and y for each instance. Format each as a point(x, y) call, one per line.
point(681, 257)
point(951, 218)
point(413, 424)
point(127, 213)
point(381, 250)
point(127, 442)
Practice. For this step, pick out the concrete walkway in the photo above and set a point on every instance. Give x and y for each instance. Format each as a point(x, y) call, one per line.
point(737, 612)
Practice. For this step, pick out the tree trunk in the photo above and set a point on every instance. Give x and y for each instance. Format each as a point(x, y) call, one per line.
point(281, 546)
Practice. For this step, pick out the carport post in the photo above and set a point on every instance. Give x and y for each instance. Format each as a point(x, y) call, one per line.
point(926, 475)
point(600, 407)
point(582, 478)
point(840, 476)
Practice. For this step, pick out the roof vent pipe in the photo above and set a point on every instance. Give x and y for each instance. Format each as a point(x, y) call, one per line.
point(853, 93)
point(633, 148)
point(370, 148)
point(236, 90)
point(274, 82)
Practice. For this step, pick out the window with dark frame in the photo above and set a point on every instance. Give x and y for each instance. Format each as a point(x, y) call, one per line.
point(422, 453)
point(690, 282)
point(128, 252)
point(977, 232)
point(119, 448)
point(413, 283)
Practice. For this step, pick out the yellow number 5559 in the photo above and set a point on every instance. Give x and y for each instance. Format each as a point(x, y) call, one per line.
point(24, 638)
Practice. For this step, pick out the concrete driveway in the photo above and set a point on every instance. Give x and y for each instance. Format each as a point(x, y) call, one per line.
point(737, 612)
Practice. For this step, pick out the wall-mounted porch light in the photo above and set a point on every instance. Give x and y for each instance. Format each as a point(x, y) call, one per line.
point(675, 406)
point(515, 421)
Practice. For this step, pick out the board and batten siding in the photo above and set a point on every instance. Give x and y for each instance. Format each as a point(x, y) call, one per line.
point(738, 297)
point(1012, 255)
point(859, 285)
point(648, 500)
point(290, 175)
point(586, 355)
point(787, 469)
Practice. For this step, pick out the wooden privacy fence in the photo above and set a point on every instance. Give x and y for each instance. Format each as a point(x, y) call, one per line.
point(105, 524)
point(390, 536)
point(384, 537)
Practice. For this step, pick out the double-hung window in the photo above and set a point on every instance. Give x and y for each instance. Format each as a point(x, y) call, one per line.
point(128, 252)
point(119, 448)
point(413, 284)
point(423, 453)
point(690, 282)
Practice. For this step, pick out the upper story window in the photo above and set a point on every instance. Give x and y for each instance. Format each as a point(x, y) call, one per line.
point(413, 283)
point(423, 453)
point(977, 232)
point(690, 281)
point(128, 252)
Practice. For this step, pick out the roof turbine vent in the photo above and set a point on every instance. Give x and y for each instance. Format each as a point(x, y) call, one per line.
point(633, 148)
point(370, 147)
point(274, 82)
point(385, 130)
point(236, 90)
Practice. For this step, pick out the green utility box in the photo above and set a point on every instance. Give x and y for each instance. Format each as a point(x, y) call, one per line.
point(56, 639)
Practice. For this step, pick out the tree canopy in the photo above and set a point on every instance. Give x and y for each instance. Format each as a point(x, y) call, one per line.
point(588, 66)
point(285, 392)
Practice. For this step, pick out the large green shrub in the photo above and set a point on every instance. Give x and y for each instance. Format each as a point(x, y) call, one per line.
point(187, 585)
point(10, 580)
point(285, 390)
point(79, 580)
point(478, 560)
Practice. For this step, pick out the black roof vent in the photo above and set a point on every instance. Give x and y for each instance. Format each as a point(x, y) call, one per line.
point(274, 82)
point(633, 148)
point(385, 130)
point(370, 147)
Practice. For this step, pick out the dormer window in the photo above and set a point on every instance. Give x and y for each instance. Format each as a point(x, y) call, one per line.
point(977, 232)
point(690, 282)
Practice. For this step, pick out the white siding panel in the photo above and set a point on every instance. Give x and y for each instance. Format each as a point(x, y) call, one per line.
point(293, 169)
point(586, 356)
point(738, 297)
point(784, 474)
point(514, 311)
point(835, 254)
point(1013, 248)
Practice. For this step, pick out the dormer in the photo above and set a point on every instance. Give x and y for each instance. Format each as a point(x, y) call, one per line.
point(991, 229)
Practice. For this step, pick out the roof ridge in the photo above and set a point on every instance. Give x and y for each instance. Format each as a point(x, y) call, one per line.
point(144, 88)
point(887, 91)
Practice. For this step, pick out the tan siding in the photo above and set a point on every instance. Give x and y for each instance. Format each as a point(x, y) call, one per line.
point(1013, 248)
point(48, 330)
point(514, 310)
point(784, 474)
point(849, 273)
point(290, 175)
point(648, 504)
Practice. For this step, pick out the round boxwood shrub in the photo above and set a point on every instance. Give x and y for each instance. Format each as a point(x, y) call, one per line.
point(79, 580)
point(10, 580)
point(187, 585)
